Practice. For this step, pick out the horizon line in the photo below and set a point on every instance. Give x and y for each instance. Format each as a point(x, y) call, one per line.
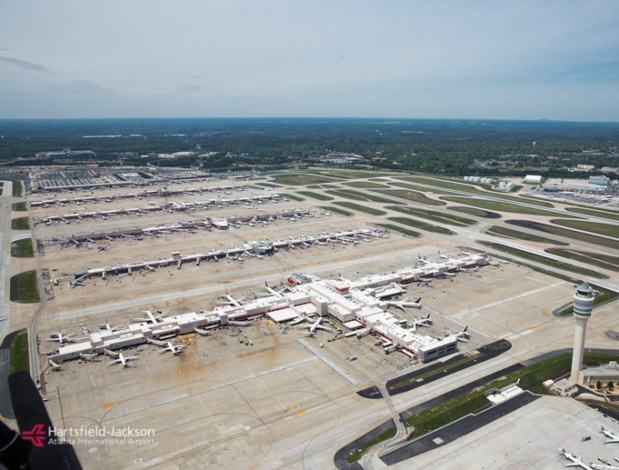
point(305, 117)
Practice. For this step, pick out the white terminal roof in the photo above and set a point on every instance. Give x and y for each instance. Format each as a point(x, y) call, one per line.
point(347, 304)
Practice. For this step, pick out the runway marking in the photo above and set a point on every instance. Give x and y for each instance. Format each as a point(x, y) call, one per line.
point(515, 297)
point(295, 407)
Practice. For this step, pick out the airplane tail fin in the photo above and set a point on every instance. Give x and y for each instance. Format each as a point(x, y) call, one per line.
point(418, 300)
point(465, 329)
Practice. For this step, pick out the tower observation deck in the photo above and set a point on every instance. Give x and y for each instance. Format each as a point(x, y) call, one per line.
point(582, 306)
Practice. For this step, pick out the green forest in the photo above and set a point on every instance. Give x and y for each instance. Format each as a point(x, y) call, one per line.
point(451, 147)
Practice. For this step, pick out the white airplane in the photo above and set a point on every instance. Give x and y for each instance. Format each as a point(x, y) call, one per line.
point(460, 336)
point(150, 317)
point(575, 461)
point(404, 303)
point(230, 300)
point(342, 278)
point(120, 358)
point(612, 437)
point(272, 291)
point(79, 281)
point(313, 328)
point(167, 346)
point(107, 326)
point(88, 357)
point(61, 338)
point(442, 255)
point(605, 465)
point(301, 318)
point(55, 367)
point(422, 321)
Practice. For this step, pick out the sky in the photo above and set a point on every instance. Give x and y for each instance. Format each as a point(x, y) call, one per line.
point(494, 59)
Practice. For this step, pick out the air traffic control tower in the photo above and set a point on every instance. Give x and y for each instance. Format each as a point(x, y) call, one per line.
point(583, 304)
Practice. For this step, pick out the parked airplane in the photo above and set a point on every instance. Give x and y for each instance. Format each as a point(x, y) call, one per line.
point(120, 358)
point(78, 281)
point(167, 346)
point(150, 317)
point(88, 357)
point(230, 300)
point(422, 321)
point(55, 367)
point(313, 328)
point(575, 461)
point(107, 326)
point(301, 318)
point(274, 292)
point(403, 303)
point(605, 465)
point(612, 437)
point(460, 336)
point(61, 338)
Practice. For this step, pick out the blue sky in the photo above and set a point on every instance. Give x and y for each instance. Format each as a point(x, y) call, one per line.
point(530, 59)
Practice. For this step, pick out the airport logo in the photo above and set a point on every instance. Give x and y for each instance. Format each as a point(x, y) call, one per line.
point(36, 435)
point(89, 436)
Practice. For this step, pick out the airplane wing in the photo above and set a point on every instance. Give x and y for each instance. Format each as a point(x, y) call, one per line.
point(322, 327)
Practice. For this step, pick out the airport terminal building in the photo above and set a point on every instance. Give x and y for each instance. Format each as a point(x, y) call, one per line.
point(356, 306)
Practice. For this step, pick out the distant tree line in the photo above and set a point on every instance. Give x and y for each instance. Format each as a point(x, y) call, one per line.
point(433, 146)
